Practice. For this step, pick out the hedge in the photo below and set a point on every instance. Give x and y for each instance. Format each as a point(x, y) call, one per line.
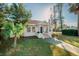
point(70, 32)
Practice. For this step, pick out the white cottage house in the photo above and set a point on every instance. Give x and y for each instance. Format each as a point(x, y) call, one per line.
point(41, 29)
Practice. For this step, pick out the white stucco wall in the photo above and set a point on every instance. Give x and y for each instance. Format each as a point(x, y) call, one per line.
point(37, 29)
point(29, 34)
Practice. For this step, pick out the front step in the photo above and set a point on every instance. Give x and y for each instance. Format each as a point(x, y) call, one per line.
point(46, 35)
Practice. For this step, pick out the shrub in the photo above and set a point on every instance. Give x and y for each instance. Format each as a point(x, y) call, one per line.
point(71, 32)
point(5, 41)
point(54, 35)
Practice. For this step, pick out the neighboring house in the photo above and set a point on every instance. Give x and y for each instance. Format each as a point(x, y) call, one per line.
point(37, 28)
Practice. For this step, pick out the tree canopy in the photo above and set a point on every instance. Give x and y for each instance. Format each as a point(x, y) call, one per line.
point(13, 18)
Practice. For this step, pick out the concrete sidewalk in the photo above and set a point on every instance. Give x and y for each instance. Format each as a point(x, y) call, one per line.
point(69, 47)
point(63, 45)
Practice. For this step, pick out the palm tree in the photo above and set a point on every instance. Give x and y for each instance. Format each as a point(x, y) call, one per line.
point(17, 14)
point(60, 17)
point(21, 16)
point(2, 20)
point(55, 20)
point(75, 9)
point(1, 14)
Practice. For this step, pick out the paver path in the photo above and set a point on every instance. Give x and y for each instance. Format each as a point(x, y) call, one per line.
point(63, 45)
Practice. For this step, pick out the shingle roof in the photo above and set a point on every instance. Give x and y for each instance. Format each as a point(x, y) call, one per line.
point(37, 22)
point(33, 21)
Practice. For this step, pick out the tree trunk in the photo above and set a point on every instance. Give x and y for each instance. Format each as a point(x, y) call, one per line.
point(55, 26)
point(55, 22)
point(61, 16)
point(78, 25)
point(15, 42)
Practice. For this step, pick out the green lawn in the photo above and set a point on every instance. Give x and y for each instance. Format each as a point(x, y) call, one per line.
point(36, 47)
point(74, 40)
point(56, 51)
point(32, 47)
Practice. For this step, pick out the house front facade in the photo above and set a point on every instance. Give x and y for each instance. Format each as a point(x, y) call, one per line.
point(37, 28)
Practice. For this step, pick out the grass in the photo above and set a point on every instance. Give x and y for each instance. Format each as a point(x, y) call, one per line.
point(32, 47)
point(73, 40)
point(70, 39)
point(36, 47)
point(56, 51)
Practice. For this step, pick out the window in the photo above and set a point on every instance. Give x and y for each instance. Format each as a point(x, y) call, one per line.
point(33, 29)
point(28, 29)
point(49, 29)
point(46, 29)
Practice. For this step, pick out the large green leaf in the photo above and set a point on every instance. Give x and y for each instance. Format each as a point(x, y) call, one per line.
point(19, 29)
point(8, 29)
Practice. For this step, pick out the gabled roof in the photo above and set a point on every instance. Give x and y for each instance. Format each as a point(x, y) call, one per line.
point(37, 22)
point(33, 21)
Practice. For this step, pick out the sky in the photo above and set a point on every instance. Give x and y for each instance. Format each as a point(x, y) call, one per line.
point(41, 11)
